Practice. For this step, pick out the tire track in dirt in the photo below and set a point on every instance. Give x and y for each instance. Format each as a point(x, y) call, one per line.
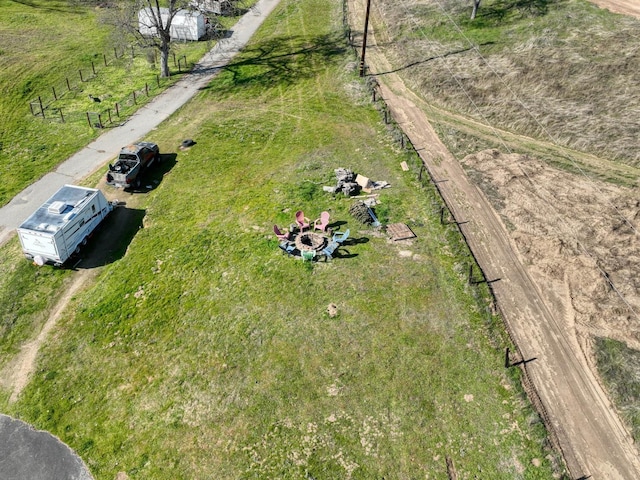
point(19, 371)
point(590, 435)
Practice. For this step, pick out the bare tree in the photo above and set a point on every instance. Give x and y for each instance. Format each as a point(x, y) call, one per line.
point(149, 23)
point(476, 4)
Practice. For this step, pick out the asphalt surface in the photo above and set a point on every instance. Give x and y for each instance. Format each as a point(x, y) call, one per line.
point(28, 454)
point(106, 147)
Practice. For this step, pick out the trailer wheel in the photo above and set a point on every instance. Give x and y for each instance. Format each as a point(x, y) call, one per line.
point(84, 241)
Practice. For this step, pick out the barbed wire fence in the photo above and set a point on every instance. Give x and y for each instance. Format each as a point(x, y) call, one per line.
point(57, 104)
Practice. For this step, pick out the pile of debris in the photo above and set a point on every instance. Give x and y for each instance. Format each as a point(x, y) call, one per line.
point(364, 214)
point(350, 183)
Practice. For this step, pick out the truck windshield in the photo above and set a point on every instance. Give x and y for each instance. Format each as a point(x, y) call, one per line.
point(127, 156)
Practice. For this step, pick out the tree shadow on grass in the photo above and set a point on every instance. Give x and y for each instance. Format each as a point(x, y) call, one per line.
point(283, 60)
point(495, 13)
point(49, 5)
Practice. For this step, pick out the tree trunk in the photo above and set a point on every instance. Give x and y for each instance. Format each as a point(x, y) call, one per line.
point(164, 60)
point(476, 4)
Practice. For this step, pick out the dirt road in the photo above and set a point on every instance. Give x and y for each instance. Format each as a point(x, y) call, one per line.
point(625, 7)
point(593, 441)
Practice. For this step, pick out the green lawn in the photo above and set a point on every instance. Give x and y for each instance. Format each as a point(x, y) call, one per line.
point(206, 353)
point(50, 49)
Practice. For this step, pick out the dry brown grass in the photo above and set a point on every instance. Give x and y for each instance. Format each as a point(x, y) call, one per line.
point(570, 76)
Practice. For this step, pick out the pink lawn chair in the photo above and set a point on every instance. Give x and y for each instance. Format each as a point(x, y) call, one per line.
point(302, 221)
point(322, 222)
point(281, 236)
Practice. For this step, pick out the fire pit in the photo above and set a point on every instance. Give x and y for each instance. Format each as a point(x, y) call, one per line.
point(308, 241)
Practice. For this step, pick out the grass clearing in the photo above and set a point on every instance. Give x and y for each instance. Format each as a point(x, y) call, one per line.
point(49, 56)
point(206, 353)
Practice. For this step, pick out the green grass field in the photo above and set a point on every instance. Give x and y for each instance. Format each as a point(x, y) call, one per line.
point(50, 49)
point(206, 353)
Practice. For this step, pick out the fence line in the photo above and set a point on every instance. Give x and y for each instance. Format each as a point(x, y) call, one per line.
point(46, 108)
point(405, 141)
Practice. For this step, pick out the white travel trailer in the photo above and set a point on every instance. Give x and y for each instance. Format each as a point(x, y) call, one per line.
point(185, 25)
point(62, 224)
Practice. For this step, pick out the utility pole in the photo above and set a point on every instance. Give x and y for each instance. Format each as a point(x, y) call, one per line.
point(364, 38)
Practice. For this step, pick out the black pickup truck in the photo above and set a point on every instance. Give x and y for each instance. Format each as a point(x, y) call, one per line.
point(132, 161)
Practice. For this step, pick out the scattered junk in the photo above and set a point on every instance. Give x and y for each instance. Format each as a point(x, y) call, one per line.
point(132, 161)
point(332, 310)
point(308, 242)
point(185, 25)
point(64, 223)
point(399, 231)
point(364, 214)
point(350, 183)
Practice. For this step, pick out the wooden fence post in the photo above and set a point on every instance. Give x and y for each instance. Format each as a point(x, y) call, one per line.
point(41, 107)
point(134, 98)
point(89, 120)
point(81, 79)
point(507, 362)
point(93, 67)
point(104, 57)
point(68, 84)
point(117, 110)
point(61, 115)
point(54, 93)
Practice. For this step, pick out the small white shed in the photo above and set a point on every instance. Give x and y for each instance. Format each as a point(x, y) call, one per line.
point(186, 24)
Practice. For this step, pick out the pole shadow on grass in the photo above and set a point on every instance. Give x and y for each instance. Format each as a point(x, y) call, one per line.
point(426, 60)
point(111, 239)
